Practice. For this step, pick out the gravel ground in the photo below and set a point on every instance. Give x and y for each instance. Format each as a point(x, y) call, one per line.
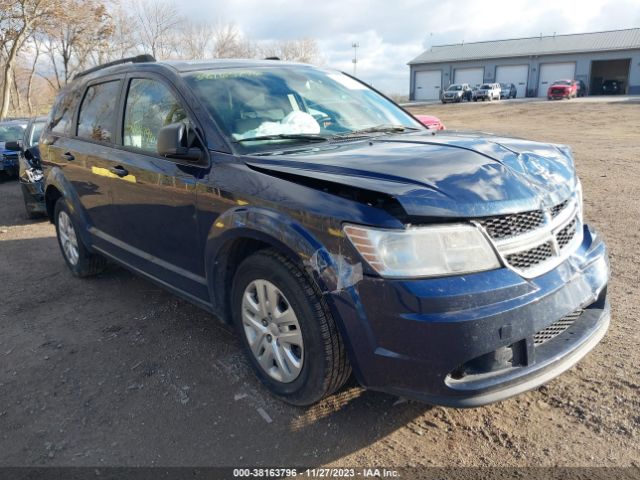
point(115, 371)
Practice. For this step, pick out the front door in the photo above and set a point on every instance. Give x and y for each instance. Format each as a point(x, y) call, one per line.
point(155, 197)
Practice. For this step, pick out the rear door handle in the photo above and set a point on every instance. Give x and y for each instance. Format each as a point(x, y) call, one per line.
point(119, 171)
point(68, 156)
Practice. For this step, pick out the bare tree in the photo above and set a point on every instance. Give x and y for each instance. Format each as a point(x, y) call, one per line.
point(122, 41)
point(303, 50)
point(195, 40)
point(83, 28)
point(158, 23)
point(20, 18)
point(36, 49)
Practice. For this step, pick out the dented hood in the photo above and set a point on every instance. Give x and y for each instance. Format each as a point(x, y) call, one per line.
point(444, 175)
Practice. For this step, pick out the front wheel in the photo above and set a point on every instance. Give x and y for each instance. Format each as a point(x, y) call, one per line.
point(78, 258)
point(287, 330)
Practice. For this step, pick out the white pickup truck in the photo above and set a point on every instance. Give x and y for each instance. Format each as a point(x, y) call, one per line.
point(487, 91)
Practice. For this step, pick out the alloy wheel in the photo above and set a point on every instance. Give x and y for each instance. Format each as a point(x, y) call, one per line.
point(272, 331)
point(68, 238)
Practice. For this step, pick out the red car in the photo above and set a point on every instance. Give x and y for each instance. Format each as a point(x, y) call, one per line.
point(563, 89)
point(431, 122)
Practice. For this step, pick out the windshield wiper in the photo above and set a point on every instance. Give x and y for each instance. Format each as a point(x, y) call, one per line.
point(385, 128)
point(307, 137)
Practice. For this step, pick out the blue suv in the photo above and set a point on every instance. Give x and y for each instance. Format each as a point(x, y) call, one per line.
point(330, 227)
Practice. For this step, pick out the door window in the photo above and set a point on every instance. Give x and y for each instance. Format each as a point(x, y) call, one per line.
point(97, 112)
point(150, 106)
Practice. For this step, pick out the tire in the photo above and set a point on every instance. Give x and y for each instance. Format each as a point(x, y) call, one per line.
point(320, 365)
point(83, 263)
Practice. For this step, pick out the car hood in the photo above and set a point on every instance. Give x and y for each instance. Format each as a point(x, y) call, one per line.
point(457, 174)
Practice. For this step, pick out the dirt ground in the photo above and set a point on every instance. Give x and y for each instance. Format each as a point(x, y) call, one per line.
point(114, 371)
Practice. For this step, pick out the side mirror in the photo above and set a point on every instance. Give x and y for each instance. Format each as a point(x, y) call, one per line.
point(13, 146)
point(173, 142)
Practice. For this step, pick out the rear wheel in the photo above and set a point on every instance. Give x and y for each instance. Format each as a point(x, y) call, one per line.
point(287, 331)
point(80, 261)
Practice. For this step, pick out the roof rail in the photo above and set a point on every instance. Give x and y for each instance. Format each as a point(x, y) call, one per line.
point(136, 59)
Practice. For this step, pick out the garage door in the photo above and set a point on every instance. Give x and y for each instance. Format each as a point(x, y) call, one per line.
point(516, 74)
point(550, 72)
point(472, 76)
point(428, 85)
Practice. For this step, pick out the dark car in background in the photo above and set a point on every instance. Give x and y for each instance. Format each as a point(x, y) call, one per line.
point(508, 90)
point(457, 92)
point(330, 227)
point(612, 87)
point(30, 169)
point(582, 89)
point(10, 131)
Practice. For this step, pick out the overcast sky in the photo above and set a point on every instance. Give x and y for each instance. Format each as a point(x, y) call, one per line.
point(392, 32)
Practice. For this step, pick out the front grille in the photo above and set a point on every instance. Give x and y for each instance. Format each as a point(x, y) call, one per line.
point(548, 232)
point(557, 91)
point(556, 328)
point(510, 225)
point(566, 234)
point(530, 258)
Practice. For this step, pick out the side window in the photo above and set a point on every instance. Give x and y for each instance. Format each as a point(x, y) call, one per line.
point(150, 106)
point(62, 113)
point(97, 112)
point(36, 131)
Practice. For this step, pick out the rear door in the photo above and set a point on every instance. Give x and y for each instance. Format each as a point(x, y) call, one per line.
point(80, 144)
point(155, 197)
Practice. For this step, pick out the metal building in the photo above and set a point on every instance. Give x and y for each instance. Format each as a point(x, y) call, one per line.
point(531, 64)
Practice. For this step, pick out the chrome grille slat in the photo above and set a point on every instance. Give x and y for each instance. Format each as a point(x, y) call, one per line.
point(556, 328)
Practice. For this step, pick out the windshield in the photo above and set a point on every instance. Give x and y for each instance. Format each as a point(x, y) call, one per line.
point(486, 86)
point(562, 82)
point(292, 104)
point(455, 87)
point(11, 133)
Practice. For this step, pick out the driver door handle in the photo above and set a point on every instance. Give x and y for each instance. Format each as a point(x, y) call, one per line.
point(119, 171)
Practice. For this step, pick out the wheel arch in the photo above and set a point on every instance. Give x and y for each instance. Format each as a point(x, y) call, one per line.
point(241, 232)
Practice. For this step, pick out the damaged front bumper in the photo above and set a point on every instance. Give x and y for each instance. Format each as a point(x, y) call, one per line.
point(466, 341)
point(32, 185)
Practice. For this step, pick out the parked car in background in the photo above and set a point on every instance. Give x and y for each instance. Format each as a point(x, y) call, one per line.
point(488, 91)
point(10, 131)
point(30, 169)
point(508, 90)
point(612, 87)
point(457, 92)
point(562, 89)
point(431, 122)
point(455, 269)
point(582, 89)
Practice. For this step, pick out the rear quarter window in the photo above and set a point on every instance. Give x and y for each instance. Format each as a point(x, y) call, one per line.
point(61, 114)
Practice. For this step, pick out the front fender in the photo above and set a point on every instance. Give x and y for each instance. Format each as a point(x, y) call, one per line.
point(330, 271)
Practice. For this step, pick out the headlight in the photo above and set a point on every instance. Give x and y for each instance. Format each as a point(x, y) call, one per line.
point(424, 251)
